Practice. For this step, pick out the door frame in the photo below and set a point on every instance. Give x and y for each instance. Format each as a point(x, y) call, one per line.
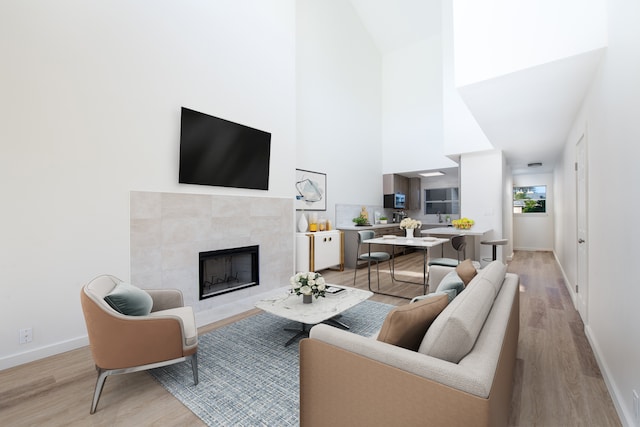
point(582, 229)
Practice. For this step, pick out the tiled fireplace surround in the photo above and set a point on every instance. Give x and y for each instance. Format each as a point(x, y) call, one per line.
point(169, 230)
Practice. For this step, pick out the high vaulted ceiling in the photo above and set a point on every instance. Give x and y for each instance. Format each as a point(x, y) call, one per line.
point(527, 114)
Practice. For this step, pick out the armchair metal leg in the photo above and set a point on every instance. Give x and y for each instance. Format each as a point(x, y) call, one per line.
point(102, 376)
point(104, 373)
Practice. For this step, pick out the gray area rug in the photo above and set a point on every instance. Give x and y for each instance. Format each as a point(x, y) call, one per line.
point(247, 376)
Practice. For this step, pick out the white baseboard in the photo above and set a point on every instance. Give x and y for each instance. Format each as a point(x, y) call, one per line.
point(202, 318)
point(626, 418)
point(42, 352)
point(567, 283)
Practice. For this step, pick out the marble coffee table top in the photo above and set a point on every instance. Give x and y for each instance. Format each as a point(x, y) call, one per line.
point(290, 306)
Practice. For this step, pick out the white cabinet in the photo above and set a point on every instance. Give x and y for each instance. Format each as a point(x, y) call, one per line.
point(319, 251)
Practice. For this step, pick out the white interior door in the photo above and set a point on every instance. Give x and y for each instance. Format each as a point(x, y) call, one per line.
point(582, 285)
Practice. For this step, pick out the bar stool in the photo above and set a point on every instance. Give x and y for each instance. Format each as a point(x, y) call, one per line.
point(495, 243)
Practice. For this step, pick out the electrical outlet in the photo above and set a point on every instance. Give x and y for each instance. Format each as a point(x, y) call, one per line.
point(25, 335)
point(636, 405)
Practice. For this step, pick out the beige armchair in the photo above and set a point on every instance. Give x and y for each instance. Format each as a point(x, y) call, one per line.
point(122, 343)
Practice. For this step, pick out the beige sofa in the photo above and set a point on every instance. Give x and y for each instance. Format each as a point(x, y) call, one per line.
point(347, 379)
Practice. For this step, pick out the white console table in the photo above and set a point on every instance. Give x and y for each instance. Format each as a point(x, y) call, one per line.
point(319, 250)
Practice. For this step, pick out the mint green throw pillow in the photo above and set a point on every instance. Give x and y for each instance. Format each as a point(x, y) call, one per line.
point(130, 300)
point(451, 282)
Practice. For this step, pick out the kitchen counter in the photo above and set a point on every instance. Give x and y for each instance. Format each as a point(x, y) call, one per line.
point(475, 234)
point(473, 231)
point(388, 225)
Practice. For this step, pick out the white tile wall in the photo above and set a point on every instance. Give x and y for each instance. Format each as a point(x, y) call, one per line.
point(169, 230)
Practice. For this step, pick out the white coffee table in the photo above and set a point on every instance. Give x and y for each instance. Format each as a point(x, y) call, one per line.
point(290, 306)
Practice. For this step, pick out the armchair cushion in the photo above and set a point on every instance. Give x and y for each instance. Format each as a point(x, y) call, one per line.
point(129, 300)
point(187, 320)
point(406, 325)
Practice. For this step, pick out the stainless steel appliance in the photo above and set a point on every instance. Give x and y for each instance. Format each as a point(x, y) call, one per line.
point(398, 216)
point(394, 201)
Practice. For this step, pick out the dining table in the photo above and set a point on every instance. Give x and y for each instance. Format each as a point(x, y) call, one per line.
point(423, 243)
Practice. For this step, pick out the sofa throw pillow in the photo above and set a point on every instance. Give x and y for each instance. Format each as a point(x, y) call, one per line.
point(451, 282)
point(130, 300)
point(405, 326)
point(466, 271)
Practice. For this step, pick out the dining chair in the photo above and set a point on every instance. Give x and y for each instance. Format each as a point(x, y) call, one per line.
point(459, 243)
point(369, 257)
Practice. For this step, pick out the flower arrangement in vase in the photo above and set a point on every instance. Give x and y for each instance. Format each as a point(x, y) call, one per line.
point(409, 225)
point(308, 285)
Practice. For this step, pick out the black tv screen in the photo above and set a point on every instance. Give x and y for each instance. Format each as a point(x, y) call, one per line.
point(214, 151)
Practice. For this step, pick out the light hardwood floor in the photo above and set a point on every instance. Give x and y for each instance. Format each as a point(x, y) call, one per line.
point(557, 380)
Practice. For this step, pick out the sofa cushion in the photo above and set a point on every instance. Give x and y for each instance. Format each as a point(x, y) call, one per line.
point(494, 272)
point(406, 325)
point(130, 300)
point(451, 282)
point(466, 271)
point(453, 333)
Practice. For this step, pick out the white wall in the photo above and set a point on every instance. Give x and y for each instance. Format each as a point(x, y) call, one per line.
point(339, 95)
point(90, 110)
point(609, 116)
point(482, 175)
point(412, 115)
point(462, 133)
point(534, 231)
point(494, 37)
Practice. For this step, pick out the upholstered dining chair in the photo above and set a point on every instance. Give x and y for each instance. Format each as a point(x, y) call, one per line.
point(459, 243)
point(376, 257)
point(131, 329)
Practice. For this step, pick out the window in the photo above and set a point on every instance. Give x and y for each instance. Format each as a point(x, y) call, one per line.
point(441, 201)
point(530, 199)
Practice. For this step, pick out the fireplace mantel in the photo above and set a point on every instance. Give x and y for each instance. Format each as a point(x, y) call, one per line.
point(169, 230)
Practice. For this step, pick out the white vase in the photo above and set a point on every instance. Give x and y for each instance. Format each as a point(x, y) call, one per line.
point(409, 232)
point(302, 223)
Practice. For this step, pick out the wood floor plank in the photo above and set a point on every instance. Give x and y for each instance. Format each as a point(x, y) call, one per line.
point(557, 380)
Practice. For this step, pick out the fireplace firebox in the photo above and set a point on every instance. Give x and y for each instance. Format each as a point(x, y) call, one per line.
point(228, 270)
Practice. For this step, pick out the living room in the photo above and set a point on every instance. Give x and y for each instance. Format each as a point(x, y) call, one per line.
point(91, 102)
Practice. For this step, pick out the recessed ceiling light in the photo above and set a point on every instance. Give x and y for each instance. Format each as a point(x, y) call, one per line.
point(535, 164)
point(428, 174)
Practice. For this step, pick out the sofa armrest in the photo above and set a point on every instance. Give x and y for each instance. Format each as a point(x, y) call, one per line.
point(164, 299)
point(428, 367)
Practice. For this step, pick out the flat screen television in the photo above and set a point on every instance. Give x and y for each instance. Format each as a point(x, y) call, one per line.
point(214, 151)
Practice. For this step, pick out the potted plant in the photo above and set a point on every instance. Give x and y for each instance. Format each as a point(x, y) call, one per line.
point(383, 220)
point(360, 220)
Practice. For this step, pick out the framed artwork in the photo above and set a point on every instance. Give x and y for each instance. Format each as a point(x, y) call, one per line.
point(311, 191)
